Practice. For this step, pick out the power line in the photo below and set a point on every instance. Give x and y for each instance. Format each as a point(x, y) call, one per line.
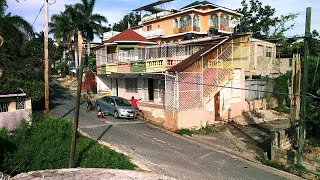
point(38, 15)
point(230, 87)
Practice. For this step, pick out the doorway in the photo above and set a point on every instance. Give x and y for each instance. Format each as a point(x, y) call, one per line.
point(150, 89)
point(217, 105)
point(117, 86)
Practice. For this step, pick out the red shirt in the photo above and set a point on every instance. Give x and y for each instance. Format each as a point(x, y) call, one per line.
point(134, 102)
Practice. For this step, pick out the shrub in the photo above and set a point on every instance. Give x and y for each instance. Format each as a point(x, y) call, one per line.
point(184, 131)
point(205, 130)
point(46, 145)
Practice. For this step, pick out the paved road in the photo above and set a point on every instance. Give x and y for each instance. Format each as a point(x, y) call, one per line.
point(158, 150)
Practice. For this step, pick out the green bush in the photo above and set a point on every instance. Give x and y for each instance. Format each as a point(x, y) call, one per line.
point(205, 130)
point(184, 131)
point(46, 145)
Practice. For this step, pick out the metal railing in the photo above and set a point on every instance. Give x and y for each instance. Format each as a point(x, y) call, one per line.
point(151, 33)
point(151, 52)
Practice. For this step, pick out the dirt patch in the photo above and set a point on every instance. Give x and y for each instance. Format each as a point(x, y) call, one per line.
point(69, 83)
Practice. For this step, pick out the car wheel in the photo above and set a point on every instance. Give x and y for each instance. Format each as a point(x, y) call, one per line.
point(116, 115)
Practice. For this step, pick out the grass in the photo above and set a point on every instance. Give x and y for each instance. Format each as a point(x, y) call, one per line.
point(204, 130)
point(296, 169)
point(46, 145)
point(184, 132)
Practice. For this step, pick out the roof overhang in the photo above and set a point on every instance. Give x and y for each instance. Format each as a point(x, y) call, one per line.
point(198, 11)
point(13, 95)
point(142, 42)
point(132, 75)
point(151, 7)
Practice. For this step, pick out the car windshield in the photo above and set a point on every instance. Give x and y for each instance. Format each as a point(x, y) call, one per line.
point(122, 102)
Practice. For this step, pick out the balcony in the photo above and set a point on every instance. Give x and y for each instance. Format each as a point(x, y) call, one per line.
point(161, 65)
point(150, 52)
point(138, 66)
point(152, 33)
point(123, 67)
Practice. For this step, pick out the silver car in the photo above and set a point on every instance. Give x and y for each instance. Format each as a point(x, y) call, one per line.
point(117, 106)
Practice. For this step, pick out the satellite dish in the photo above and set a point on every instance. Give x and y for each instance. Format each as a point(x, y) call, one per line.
point(234, 23)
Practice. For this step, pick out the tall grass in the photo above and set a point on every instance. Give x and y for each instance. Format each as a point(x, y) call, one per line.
point(46, 145)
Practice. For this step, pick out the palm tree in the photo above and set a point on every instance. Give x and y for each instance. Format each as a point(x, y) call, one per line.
point(91, 23)
point(65, 27)
point(14, 22)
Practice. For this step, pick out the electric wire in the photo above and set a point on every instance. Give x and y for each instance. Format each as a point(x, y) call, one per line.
point(37, 15)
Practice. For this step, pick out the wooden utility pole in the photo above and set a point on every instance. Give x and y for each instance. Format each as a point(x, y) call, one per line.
point(304, 88)
point(46, 58)
point(295, 89)
point(77, 109)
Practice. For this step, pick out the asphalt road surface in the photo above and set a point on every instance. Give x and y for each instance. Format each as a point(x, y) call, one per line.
point(157, 150)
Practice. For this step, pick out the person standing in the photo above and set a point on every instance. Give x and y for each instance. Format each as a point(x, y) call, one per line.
point(88, 98)
point(134, 102)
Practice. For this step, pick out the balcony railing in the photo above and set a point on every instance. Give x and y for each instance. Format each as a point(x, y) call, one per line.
point(151, 52)
point(151, 34)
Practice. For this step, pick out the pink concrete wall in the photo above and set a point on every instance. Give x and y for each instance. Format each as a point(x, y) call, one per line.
point(11, 120)
point(127, 95)
point(191, 118)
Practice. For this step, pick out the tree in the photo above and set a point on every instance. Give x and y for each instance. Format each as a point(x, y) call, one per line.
point(133, 19)
point(261, 20)
point(65, 26)
point(91, 23)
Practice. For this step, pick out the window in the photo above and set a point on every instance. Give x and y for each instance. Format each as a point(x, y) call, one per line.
point(175, 23)
point(20, 103)
point(260, 51)
point(268, 53)
point(158, 26)
point(213, 21)
point(290, 62)
point(149, 28)
point(3, 107)
point(131, 85)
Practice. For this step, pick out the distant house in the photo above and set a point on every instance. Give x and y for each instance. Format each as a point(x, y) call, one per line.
point(13, 109)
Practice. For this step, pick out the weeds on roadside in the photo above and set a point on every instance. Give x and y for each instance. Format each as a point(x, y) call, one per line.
point(204, 131)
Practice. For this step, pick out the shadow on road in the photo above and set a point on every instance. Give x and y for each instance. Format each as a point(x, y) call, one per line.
point(58, 94)
point(85, 149)
point(255, 134)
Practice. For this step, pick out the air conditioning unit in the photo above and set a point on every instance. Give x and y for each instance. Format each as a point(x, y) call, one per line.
point(239, 29)
point(213, 32)
point(189, 36)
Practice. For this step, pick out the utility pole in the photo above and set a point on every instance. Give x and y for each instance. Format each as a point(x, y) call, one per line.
point(304, 88)
point(46, 58)
point(315, 74)
point(77, 109)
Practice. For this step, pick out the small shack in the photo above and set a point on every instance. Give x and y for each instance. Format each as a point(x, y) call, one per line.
point(89, 82)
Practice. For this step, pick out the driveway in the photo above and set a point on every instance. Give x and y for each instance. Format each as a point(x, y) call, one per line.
point(157, 150)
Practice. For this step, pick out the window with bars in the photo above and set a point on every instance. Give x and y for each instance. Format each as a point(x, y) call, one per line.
point(3, 107)
point(20, 103)
point(131, 85)
point(269, 51)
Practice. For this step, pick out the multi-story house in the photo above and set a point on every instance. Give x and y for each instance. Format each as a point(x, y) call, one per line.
point(196, 19)
point(184, 81)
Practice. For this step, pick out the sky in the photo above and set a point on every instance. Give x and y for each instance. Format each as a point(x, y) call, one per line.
point(114, 10)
